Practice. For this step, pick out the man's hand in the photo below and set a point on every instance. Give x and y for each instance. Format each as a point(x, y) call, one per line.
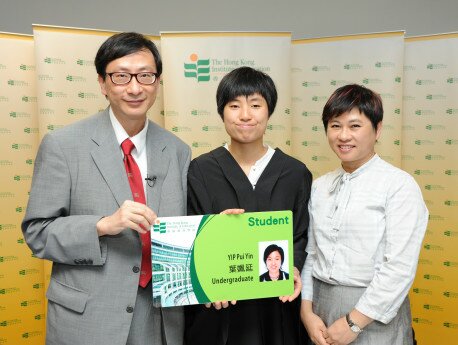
point(233, 211)
point(132, 215)
point(313, 323)
point(297, 287)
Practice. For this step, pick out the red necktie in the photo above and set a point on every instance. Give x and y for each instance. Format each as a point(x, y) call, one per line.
point(136, 185)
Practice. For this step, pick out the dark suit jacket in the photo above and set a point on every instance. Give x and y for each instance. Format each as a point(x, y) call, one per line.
point(79, 177)
point(215, 183)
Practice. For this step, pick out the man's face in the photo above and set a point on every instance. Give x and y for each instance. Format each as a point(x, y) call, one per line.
point(131, 101)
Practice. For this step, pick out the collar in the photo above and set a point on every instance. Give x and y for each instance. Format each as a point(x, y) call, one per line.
point(139, 139)
point(342, 175)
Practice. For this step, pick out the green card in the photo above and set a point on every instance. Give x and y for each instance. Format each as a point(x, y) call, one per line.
point(201, 259)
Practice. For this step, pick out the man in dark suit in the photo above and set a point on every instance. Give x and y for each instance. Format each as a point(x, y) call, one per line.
point(87, 218)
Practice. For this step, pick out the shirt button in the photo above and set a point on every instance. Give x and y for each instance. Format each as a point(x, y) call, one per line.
point(129, 309)
point(135, 269)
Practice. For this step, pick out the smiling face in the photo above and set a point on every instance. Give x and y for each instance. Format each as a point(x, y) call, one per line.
point(352, 137)
point(245, 119)
point(273, 263)
point(131, 101)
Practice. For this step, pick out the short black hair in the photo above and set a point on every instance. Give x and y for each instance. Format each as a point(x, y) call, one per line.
point(351, 96)
point(123, 44)
point(245, 81)
point(272, 248)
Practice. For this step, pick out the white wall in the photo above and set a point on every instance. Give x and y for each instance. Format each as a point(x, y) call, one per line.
point(304, 18)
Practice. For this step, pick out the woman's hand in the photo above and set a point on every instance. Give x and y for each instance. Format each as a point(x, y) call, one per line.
point(233, 211)
point(313, 324)
point(297, 287)
point(220, 304)
point(340, 333)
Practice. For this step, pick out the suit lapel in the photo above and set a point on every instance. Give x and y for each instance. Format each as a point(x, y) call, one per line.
point(158, 164)
point(108, 159)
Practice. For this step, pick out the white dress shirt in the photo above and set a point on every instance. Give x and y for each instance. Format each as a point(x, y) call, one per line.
point(366, 230)
point(259, 166)
point(139, 140)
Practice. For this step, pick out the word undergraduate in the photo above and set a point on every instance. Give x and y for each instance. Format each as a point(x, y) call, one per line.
point(255, 221)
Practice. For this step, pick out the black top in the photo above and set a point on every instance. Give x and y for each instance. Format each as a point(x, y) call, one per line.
point(215, 183)
point(265, 277)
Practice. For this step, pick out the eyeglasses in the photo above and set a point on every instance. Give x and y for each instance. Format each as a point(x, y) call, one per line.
point(123, 78)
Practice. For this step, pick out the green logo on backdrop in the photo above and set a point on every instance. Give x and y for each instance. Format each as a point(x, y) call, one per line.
point(397, 79)
point(83, 62)
point(2, 66)
point(436, 66)
point(54, 61)
point(434, 127)
point(5, 195)
point(17, 83)
point(433, 247)
point(322, 68)
point(310, 143)
point(339, 82)
point(181, 129)
point(451, 142)
point(5, 291)
point(5, 162)
point(197, 68)
point(29, 130)
point(197, 112)
point(272, 127)
point(423, 142)
point(433, 307)
point(28, 99)
point(352, 66)
point(6, 323)
point(450, 263)
point(171, 113)
point(435, 217)
point(4, 99)
point(76, 111)
point(28, 271)
point(450, 172)
point(452, 80)
point(39, 317)
point(207, 128)
point(310, 113)
point(19, 114)
point(434, 157)
point(424, 112)
point(75, 78)
point(310, 84)
point(450, 325)
point(422, 321)
point(422, 291)
point(372, 81)
point(408, 98)
point(434, 187)
point(197, 144)
point(46, 111)
point(87, 95)
point(317, 128)
point(387, 96)
point(320, 158)
point(24, 67)
point(28, 335)
point(440, 97)
point(287, 111)
point(407, 158)
point(55, 94)
point(425, 82)
point(451, 202)
point(52, 127)
point(450, 294)
point(319, 98)
point(450, 233)
point(38, 286)
point(397, 111)
point(5, 226)
point(385, 64)
point(21, 146)
point(397, 142)
point(8, 258)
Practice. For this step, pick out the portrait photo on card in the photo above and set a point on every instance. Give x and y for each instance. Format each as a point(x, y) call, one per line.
point(273, 261)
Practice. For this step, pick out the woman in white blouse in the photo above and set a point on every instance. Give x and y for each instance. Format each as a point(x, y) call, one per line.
point(367, 222)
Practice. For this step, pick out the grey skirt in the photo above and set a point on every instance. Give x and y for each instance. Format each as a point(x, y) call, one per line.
point(331, 302)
